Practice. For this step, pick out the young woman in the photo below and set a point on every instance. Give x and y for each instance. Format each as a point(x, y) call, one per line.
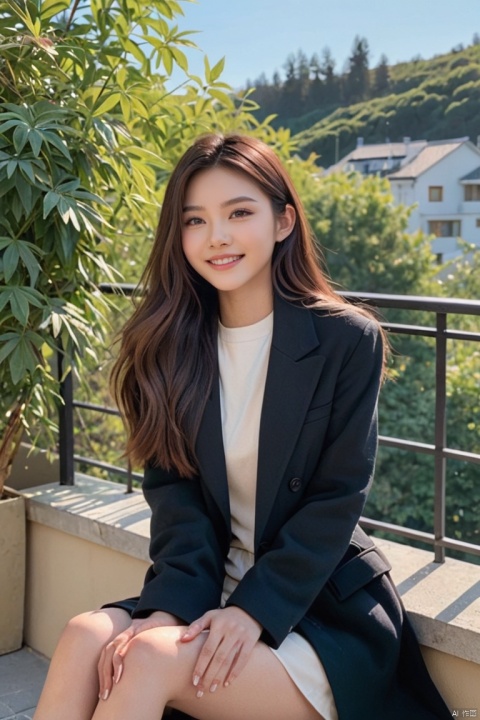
point(249, 391)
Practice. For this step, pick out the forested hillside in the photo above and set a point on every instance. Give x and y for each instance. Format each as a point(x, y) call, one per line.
point(422, 99)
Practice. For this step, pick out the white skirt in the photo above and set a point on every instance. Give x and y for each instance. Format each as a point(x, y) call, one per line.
point(295, 653)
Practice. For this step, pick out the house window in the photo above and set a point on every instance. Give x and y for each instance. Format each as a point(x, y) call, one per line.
point(478, 222)
point(472, 193)
point(445, 228)
point(435, 193)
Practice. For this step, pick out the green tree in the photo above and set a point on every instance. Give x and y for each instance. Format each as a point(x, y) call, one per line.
point(291, 93)
point(315, 95)
point(382, 77)
point(331, 82)
point(363, 235)
point(357, 84)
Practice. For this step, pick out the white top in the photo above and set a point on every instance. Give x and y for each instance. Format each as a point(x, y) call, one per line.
point(243, 360)
point(243, 354)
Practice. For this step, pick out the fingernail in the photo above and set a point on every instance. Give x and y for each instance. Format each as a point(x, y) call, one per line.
point(196, 680)
point(105, 694)
point(119, 674)
point(199, 693)
point(213, 687)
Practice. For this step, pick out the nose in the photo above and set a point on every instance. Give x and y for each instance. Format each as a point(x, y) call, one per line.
point(219, 236)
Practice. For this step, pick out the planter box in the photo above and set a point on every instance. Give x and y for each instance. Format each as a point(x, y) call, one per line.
point(31, 468)
point(12, 571)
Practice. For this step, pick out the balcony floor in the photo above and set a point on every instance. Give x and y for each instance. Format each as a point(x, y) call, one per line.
point(22, 675)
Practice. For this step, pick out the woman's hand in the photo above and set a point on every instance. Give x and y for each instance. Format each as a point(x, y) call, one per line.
point(232, 636)
point(110, 665)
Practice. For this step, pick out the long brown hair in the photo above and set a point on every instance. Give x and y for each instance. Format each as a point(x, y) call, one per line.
point(167, 361)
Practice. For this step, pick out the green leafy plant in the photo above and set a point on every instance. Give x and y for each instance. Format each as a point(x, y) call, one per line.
point(90, 126)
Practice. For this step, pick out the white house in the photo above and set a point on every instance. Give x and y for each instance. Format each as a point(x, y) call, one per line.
point(378, 159)
point(441, 179)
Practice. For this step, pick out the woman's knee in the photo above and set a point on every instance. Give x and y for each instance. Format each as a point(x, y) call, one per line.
point(160, 647)
point(95, 628)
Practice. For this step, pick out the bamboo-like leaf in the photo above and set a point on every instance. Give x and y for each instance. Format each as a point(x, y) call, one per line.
point(20, 137)
point(167, 58)
point(90, 95)
point(166, 8)
point(208, 72)
point(53, 139)
point(31, 358)
point(11, 167)
point(67, 244)
point(180, 58)
point(68, 186)
point(19, 305)
point(18, 365)
point(122, 77)
point(26, 168)
point(5, 242)
point(25, 17)
point(121, 24)
point(107, 103)
point(158, 25)
point(9, 347)
point(24, 192)
point(5, 296)
point(222, 97)
point(134, 50)
point(139, 108)
point(50, 201)
point(5, 126)
point(33, 296)
point(74, 218)
point(35, 139)
point(11, 257)
point(217, 70)
point(56, 324)
point(50, 8)
point(29, 260)
point(126, 107)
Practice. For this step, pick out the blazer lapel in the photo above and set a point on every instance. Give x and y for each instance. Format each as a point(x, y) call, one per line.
point(210, 453)
point(292, 377)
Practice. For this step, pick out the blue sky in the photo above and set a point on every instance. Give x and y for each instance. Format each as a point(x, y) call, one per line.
point(256, 36)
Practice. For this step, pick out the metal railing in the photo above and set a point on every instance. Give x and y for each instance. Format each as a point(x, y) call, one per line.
point(441, 308)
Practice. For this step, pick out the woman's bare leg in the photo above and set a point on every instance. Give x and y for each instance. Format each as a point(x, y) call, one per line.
point(71, 687)
point(158, 672)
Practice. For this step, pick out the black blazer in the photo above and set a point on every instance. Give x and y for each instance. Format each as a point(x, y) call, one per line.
point(315, 570)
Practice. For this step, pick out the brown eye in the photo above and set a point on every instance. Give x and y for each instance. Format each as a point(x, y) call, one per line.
point(241, 212)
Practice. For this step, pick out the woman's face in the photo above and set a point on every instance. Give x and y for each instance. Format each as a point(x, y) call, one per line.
point(229, 231)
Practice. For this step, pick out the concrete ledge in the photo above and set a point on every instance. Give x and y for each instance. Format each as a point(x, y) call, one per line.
point(95, 510)
point(443, 601)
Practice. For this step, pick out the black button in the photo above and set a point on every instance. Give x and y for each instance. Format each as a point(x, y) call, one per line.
point(295, 484)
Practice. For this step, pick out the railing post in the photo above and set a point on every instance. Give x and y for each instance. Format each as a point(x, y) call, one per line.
point(440, 433)
point(65, 422)
point(129, 478)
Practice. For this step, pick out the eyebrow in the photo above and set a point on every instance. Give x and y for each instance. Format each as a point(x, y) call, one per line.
point(227, 203)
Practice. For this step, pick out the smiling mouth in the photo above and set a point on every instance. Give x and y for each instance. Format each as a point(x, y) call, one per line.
point(225, 260)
